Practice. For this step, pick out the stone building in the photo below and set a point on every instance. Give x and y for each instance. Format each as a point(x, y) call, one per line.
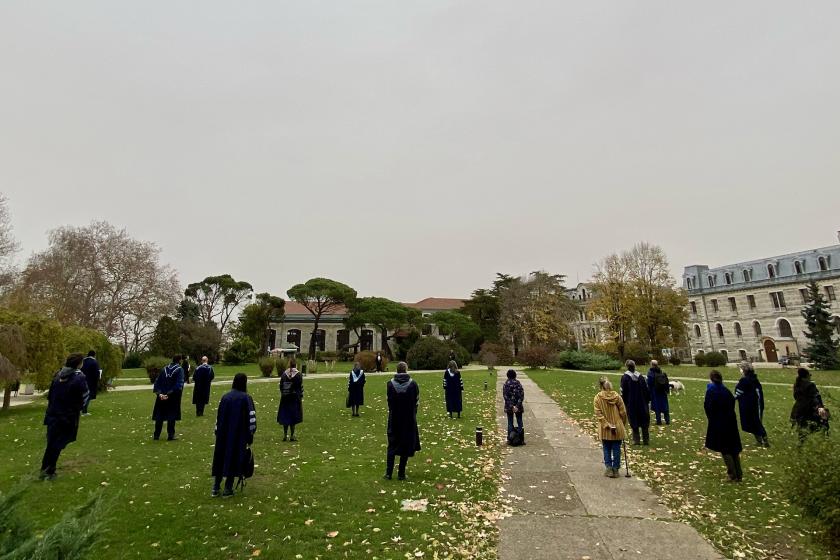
point(587, 328)
point(752, 310)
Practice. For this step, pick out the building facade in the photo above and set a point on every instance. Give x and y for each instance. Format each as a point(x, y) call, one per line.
point(587, 328)
point(753, 310)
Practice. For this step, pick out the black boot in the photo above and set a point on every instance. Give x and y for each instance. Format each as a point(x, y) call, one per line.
point(646, 435)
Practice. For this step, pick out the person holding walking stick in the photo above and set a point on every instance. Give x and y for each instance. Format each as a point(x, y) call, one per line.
point(612, 417)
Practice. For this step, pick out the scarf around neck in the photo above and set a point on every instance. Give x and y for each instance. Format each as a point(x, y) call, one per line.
point(357, 375)
point(634, 375)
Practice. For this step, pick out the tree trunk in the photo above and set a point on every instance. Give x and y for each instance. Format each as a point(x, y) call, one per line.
point(312, 338)
point(385, 346)
point(7, 396)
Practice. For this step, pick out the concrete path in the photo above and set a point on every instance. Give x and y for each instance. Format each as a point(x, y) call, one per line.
point(564, 506)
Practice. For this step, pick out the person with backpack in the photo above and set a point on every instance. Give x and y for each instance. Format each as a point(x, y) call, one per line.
point(236, 423)
point(203, 378)
point(356, 389)
point(514, 395)
point(659, 388)
point(722, 431)
point(403, 434)
point(65, 400)
point(750, 397)
point(453, 389)
point(90, 367)
point(290, 411)
point(808, 414)
point(611, 416)
point(636, 396)
point(168, 388)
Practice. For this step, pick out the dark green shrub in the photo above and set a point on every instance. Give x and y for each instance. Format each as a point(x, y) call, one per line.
point(593, 361)
point(133, 360)
point(405, 344)
point(109, 356)
point(637, 352)
point(281, 364)
point(535, 356)
point(320, 356)
point(241, 351)
point(503, 354)
point(367, 360)
point(462, 356)
point(674, 361)
point(153, 365)
point(430, 353)
point(715, 359)
point(199, 340)
point(700, 359)
point(267, 366)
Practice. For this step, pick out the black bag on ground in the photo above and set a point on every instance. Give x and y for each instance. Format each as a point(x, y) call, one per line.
point(516, 437)
point(247, 467)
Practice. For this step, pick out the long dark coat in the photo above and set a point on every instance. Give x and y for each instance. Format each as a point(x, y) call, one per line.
point(169, 382)
point(636, 397)
point(722, 432)
point(236, 422)
point(356, 389)
point(750, 397)
point(202, 379)
point(290, 411)
point(68, 394)
point(514, 395)
point(658, 399)
point(453, 387)
point(807, 400)
point(403, 398)
point(90, 367)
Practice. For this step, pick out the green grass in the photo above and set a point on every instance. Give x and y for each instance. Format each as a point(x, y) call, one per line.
point(329, 481)
point(754, 518)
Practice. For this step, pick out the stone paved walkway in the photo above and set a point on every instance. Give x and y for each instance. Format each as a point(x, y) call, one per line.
point(565, 508)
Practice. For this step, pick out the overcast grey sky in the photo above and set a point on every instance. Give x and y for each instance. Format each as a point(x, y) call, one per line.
point(413, 149)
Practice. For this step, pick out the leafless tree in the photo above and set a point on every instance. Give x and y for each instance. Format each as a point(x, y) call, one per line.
point(8, 245)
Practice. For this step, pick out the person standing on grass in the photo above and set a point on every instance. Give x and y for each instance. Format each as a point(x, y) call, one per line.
point(750, 397)
point(92, 371)
point(611, 416)
point(722, 432)
point(514, 396)
point(658, 388)
point(290, 411)
point(236, 422)
point(203, 377)
point(453, 388)
point(808, 415)
point(403, 434)
point(379, 362)
point(634, 392)
point(185, 365)
point(65, 400)
point(356, 389)
point(169, 386)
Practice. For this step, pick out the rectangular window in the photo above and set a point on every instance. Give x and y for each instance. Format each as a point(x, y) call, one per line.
point(714, 305)
point(804, 293)
point(751, 301)
point(733, 306)
point(693, 305)
point(778, 300)
point(829, 293)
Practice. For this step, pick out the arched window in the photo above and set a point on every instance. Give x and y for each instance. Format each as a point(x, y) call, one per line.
point(725, 354)
point(747, 275)
point(757, 328)
point(797, 266)
point(727, 278)
point(712, 281)
point(719, 329)
point(293, 336)
point(342, 339)
point(583, 294)
point(738, 332)
point(320, 340)
point(771, 271)
point(366, 340)
point(784, 329)
point(697, 331)
point(743, 355)
point(823, 262)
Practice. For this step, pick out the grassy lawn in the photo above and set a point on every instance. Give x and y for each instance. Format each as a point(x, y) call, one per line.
point(302, 493)
point(753, 518)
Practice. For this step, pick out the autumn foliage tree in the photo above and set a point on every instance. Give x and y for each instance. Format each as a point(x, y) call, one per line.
point(536, 310)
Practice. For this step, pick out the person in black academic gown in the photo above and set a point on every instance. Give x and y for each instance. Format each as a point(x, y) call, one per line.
point(236, 422)
point(722, 432)
point(453, 388)
point(202, 378)
point(379, 362)
point(356, 389)
point(68, 394)
point(750, 397)
point(403, 434)
point(90, 367)
point(290, 411)
point(636, 396)
point(169, 386)
point(185, 365)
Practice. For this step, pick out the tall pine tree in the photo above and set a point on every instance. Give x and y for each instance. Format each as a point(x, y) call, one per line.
point(822, 350)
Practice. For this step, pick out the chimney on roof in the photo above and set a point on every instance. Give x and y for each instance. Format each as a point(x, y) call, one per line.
point(838, 235)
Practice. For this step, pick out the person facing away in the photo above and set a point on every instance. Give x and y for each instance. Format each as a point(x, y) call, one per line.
point(403, 434)
point(90, 367)
point(658, 388)
point(634, 392)
point(379, 361)
point(356, 389)
point(808, 414)
point(750, 397)
point(236, 423)
point(611, 416)
point(202, 378)
point(168, 388)
point(514, 396)
point(185, 365)
point(453, 388)
point(290, 411)
point(67, 396)
point(722, 432)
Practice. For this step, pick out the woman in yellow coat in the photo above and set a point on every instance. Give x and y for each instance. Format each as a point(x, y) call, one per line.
point(612, 416)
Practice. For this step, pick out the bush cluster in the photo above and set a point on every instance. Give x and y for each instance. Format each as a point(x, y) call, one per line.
point(153, 365)
point(674, 361)
point(501, 352)
point(133, 360)
point(715, 359)
point(267, 365)
point(577, 360)
point(241, 351)
point(433, 353)
point(367, 360)
point(535, 356)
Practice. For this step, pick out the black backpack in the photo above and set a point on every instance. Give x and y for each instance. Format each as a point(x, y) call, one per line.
point(516, 437)
point(248, 467)
point(661, 383)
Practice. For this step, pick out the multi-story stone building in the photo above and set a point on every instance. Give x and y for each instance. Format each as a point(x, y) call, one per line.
point(587, 328)
point(752, 310)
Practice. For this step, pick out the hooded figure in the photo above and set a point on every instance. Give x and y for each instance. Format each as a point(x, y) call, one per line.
point(202, 378)
point(90, 367)
point(658, 388)
point(453, 387)
point(611, 416)
point(403, 434)
point(722, 432)
point(236, 422)
point(750, 397)
point(68, 395)
point(356, 389)
point(808, 414)
point(634, 392)
point(169, 386)
point(290, 411)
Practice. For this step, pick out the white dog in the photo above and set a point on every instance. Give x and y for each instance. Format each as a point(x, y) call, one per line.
point(676, 387)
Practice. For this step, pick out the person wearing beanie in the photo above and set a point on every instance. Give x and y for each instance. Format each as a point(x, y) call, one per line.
point(65, 400)
point(634, 392)
point(236, 423)
point(750, 397)
point(403, 434)
point(722, 431)
point(809, 414)
point(611, 416)
point(514, 395)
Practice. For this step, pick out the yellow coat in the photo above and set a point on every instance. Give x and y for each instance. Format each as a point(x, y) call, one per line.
point(610, 411)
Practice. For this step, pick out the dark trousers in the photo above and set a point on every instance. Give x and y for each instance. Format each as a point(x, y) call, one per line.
point(199, 409)
point(659, 417)
point(228, 483)
point(733, 466)
point(85, 408)
point(645, 434)
point(389, 468)
point(56, 441)
point(510, 416)
point(170, 428)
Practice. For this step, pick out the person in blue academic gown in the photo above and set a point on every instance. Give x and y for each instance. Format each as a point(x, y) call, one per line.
point(68, 394)
point(169, 386)
point(722, 432)
point(202, 379)
point(290, 411)
point(658, 388)
point(356, 389)
point(453, 388)
point(634, 392)
point(403, 434)
point(236, 422)
point(750, 397)
point(90, 367)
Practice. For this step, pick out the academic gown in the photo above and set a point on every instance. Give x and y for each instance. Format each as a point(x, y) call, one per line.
point(236, 422)
point(634, 392)
point(290, 411)
point(658, 400)
point(403, 398)
point(169, 382)
point(67, 396)
point(722, 432)
point(202, 378)
point(453, 387)
point(750, 397)
point(90, 367)
point(356, 389)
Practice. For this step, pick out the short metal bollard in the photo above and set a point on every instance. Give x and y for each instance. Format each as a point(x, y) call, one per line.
point(479, 436)
point(485, 385)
